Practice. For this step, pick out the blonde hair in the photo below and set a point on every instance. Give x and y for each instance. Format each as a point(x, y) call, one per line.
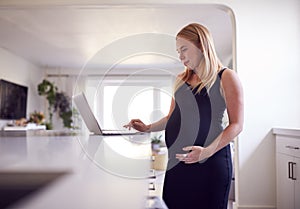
point(210, 65)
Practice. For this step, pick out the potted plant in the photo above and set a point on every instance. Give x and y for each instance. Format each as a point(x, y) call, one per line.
point(155, 142)
point(57, 102)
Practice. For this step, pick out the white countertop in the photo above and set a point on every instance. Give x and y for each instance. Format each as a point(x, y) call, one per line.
point(287, 131)
point(101, 172)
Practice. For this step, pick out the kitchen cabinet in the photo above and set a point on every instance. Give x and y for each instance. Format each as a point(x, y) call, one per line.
point(287, 168)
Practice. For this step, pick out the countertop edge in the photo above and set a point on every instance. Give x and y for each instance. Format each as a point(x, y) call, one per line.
point(287, 131)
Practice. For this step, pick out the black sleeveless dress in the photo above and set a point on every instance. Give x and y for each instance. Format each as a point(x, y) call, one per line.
point(197, 120)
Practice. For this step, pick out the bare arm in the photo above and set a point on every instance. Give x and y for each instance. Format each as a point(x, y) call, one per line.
point(233, 94)
point(161, 124)
point(156, 126)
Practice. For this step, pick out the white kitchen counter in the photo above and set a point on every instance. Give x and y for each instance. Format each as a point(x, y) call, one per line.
point(99, 172)
point(287, 131)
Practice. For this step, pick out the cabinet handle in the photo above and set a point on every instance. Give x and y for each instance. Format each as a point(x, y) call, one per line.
point(293, 177)
point(291, 147)
point(291, 170)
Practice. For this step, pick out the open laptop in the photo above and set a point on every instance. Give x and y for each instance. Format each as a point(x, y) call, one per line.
point(91, 121)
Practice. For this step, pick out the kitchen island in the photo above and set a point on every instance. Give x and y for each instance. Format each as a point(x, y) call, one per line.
point(75, 171)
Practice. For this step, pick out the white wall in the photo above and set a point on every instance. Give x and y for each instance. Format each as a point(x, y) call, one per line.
point(268, 50)
point(20, 71)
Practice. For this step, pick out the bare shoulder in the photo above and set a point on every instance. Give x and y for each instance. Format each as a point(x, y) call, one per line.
point(229, 76)
point(228, 73)
point(230, 81)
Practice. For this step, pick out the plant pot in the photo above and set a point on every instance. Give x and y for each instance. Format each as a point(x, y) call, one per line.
point(155, 147)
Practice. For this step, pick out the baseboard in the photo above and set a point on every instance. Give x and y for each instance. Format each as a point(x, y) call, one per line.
point(254, 207)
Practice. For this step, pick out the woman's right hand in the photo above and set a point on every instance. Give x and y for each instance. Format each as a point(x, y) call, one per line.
point(138, 125)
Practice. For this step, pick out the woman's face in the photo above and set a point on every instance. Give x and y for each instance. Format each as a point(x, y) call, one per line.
point(189, 54)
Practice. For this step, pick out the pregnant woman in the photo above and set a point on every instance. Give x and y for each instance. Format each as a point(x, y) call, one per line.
point(199, 168)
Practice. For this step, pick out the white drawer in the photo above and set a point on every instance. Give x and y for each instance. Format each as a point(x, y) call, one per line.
point(288, 145)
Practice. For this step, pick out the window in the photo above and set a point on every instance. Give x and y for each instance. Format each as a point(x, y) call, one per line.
point(116, 102)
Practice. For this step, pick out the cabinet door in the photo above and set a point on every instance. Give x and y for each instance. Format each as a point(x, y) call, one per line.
point(285, 185)
point(297, 182)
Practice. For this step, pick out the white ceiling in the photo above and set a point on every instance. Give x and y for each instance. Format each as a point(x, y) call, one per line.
point(140, 35)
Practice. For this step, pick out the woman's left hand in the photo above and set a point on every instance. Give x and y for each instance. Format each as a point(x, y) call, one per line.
point(194, 155)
